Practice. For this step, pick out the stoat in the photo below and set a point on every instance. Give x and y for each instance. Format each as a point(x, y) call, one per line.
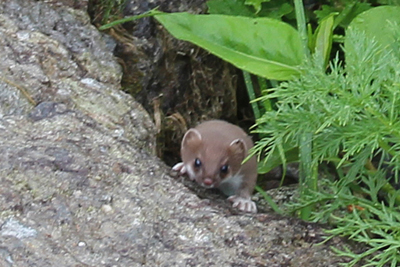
point(212, 154)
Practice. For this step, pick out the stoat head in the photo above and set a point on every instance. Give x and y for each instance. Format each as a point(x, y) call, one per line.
point(211, 160)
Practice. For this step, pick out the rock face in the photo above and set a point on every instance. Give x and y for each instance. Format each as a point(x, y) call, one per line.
point(79, 184)
point(52, 53)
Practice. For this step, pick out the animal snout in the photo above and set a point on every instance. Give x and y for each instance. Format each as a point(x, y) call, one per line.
point(208, 182)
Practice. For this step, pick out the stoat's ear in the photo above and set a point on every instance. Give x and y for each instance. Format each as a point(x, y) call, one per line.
point(237, 150)
point(191, 139)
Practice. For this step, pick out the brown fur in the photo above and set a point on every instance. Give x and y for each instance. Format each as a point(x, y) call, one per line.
point(217, 143)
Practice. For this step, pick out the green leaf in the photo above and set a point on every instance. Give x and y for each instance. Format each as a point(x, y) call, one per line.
point(346, 12)
point(262, 46)
point(324, 11)
point(230, 7)
point(256, 4)
point(247, 8)
point(379, 23)
point(322, 39)
point(275, 10)
point(276, 159)
point(389, 2)
point(349, 12)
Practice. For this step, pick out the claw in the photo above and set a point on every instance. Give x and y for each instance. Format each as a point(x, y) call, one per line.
point(179, 167)
point(243, 204)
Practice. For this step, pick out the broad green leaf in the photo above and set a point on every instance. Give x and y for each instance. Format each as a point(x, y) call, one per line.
point(323, 39)
point(262, 46)
point(381, 23)
point(389, 2)
point(230, 7)
point(275, 10)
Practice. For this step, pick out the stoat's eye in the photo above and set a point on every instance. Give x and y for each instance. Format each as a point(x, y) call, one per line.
point(224, 168)
point(197, 163)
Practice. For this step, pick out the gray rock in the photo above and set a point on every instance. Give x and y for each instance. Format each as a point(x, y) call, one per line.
point(53, 53)
point(14, 228)
point(79, 184)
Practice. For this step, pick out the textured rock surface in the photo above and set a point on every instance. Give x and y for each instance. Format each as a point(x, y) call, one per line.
point(52, 53)
point(78, 183)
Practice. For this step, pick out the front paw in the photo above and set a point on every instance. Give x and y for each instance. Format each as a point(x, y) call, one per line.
point(243, 204)
point(178, 169)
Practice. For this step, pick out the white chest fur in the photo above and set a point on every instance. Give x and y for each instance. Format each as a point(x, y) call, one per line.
point(230, 186)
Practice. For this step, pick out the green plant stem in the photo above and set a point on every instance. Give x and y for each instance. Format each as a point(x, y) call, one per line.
point(262, 83)
point(251, 93)
point(301, 26)
point(267, 198)
point(308, 167)
point(150, 13)
point(308, 172)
